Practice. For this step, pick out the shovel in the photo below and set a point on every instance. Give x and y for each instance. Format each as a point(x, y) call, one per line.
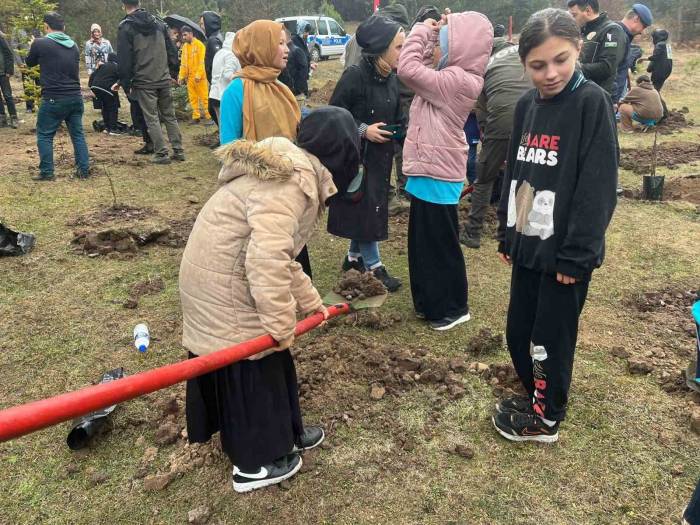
point(334, 299)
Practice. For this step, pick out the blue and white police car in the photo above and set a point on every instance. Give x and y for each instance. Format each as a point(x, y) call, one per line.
point(326, 39)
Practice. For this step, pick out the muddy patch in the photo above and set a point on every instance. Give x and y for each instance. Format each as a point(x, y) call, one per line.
point(356, 285)
point(150, 286)
point(671, 155)
point(485, 342)
point(321, 96)
point(677, 120)
point(130, 240)
point(117, 213)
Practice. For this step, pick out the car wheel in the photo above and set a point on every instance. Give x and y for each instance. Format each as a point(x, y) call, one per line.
point(316, 54)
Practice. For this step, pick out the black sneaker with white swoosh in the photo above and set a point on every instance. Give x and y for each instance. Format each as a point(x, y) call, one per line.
point(275, 472)
point(525, 427)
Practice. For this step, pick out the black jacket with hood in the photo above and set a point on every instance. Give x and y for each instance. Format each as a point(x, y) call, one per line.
point(661, 61)
point(212, 29)
point(7, 58)
point(604, 47)
point(299, 66)
point(147, 55)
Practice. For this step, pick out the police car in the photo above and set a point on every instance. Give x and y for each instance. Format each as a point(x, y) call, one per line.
point(326, 39)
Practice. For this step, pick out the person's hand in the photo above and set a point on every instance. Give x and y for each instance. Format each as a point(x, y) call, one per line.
point(313, 66)
point(115, 86)
point(284, 344)
point(432, 24)
point(565, 279)
point(323, 310)
point(379, 136)
point(505, 258)
point(197, 79)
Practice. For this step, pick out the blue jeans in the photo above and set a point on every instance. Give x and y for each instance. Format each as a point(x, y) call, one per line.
point(51, 114)
point(368, 250)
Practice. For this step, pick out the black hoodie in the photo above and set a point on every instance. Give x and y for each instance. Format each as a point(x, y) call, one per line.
point(105, 76)
point(559, 189)
point(147, 56)
point(661, 61)
point(212, 29)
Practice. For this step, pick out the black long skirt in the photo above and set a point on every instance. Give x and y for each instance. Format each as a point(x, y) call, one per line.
point(254, 405)
point(435, 261)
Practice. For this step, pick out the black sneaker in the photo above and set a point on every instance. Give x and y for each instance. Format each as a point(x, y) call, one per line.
point(449, 323)
point(392, 283)
point(420, 315)
point(82, 174)
point(525, 427)
point(311, 438)
point(469, 241)
point(178, 156)
point(515, 405)
point(275, 472)
point(44, 178)
point(358, 265)
point(161, 159)
point(147, 149)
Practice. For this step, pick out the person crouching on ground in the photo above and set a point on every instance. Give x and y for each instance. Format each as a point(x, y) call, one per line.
point(435, 157)
point(558, 199)
point(239, 280)
point(642, 104)
point(370, 91)
point(104, 83)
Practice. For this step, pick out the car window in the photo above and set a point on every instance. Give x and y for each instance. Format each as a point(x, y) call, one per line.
point(322, 28)
point(335, 28)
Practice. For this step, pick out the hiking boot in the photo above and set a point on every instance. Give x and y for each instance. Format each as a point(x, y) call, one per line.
point(358, 265)
point(14, 122)
point(514, 405)
point(392, 283)
point(82, 174)
point(43, 177)
point(178, 156)
point(448, 323)
point(470, 241)
point(275, 472)
point(311, 438)
point(525, 427)
point(147, 149)
point(398, 205)
point(161, 159)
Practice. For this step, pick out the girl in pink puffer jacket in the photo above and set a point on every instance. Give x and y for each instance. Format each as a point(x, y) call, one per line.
point(435, 156)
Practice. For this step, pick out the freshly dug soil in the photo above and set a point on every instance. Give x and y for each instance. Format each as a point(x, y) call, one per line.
point(675, 121)
point(356, 285)
point(683, 189)
point(485, 342)
point(670, 155)
point(128, 240)
point(503, 380)
point(147, 287)
point(208, 140)
point(670, 300)
point(120, 212)
point(321, 96)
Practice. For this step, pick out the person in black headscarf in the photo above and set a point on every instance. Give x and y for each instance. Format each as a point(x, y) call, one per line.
point(370, 91)
point(104, 82)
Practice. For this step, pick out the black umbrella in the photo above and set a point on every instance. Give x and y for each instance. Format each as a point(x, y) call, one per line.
point(178, 21)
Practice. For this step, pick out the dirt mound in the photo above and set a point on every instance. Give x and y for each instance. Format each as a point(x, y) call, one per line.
point(675, 121)
point(670, 299)
point(485, 342)
point(127, 240)
point(683, 189)
point(356, 285)
point(120, 212)
point(148, 287)
point(373, 318)
point(639, 160)
point(504, 380)
point(321, 96)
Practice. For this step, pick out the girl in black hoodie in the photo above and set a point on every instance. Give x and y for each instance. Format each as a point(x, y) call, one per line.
point(102, 82)
point(558, 199)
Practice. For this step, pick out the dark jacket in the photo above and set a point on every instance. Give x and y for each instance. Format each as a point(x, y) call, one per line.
point(604, 47)
point(661, 61)
point(371, 99)
point(147, 56)
point(7, 58)
point(560, 184)
point(623, 67)
point(105, 76)
point(212, 30)
point(59, 68)
point(299, 66)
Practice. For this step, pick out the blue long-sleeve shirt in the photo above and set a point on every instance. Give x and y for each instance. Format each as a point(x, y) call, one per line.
point(231, 120)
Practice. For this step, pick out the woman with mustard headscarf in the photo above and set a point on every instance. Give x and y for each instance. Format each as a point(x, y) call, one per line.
point(256, 105)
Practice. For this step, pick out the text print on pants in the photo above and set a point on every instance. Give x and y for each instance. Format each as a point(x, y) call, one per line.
point(539, 354)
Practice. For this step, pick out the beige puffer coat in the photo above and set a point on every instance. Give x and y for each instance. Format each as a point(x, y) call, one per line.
point(238, 277)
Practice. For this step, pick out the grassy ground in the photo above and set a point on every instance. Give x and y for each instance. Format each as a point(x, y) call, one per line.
point(626, 453)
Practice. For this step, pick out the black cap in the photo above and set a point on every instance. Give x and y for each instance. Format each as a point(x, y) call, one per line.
point(375, 34)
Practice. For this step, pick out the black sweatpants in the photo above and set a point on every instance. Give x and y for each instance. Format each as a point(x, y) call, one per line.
point(110, 110)
point(541, 333)
point(435, 261)
point(6, 93)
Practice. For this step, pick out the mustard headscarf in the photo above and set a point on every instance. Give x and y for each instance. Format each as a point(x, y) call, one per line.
point(269, 107)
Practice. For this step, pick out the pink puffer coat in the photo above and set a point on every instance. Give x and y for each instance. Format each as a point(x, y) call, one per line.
point(435, 144)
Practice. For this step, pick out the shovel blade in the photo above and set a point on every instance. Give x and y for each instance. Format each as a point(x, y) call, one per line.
point(356, 304)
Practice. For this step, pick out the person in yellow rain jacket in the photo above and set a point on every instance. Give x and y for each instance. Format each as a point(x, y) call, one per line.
point(192, 73)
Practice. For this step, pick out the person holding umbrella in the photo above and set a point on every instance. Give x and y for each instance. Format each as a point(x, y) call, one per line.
point(193, 74)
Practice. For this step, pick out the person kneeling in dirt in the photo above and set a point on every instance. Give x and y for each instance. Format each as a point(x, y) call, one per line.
point(642, 104)
point(104, 83)
point(239, 280)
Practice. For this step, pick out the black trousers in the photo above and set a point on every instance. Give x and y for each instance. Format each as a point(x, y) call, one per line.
point(214, 109)
point(29, 101)
point(109, 105)
point(435, 261)
point(541, 333)
point(138, 120)
point(491, 157)
point(305, 261)
point(6, 90)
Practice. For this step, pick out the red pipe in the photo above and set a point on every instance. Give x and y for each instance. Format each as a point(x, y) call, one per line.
point(23, 419)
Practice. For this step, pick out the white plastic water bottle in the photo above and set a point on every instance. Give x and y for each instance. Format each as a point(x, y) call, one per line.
point(141, 337)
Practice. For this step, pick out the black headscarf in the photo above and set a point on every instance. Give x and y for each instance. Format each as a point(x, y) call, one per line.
point(375, 34)
point(330, 133)
point(425, 12)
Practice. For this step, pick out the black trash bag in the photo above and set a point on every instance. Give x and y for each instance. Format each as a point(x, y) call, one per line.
point(95, 423)
point(15, 243)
